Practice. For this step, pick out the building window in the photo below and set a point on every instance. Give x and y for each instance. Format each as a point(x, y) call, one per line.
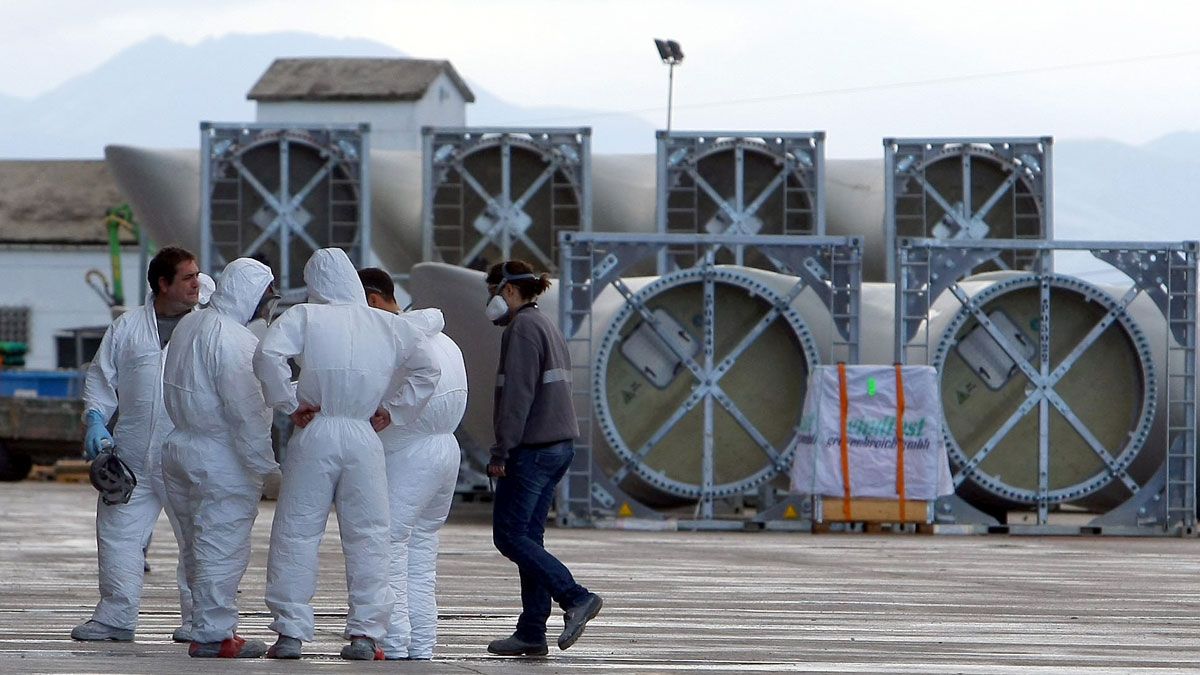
point(14, 324)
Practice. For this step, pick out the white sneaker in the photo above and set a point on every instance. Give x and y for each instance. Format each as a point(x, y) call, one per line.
point(182, 634)
point(94, 630)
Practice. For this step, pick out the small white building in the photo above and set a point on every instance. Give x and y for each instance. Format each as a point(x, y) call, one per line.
point(52, 232)
point(395, 96)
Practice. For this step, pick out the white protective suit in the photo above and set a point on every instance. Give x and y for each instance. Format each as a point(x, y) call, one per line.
point(350, 357)
point(218, 455)
point(128, 367)
point(422, 469)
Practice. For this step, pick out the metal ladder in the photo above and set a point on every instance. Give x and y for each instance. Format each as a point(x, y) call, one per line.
point(447, 219)
point(848, 299)
point(226, 217)
point(683, 219)
point(339, 226)
point(798, 221)
point(560, 187)
point(1180, 489)
point(575, 492)
point(920, 289)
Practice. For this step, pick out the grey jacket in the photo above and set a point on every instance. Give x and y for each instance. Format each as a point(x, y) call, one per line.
point(532, 403)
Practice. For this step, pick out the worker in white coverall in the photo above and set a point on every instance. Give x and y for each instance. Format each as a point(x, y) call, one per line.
point(422, 468)
point(219, 454)
point(350, 357)
point(128, 369)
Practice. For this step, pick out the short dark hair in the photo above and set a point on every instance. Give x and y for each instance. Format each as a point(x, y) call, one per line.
point(375, 280)
point(164, 264)
point(528, 288)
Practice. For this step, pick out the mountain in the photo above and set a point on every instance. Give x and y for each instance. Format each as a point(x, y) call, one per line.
point(1109, 190)
point(611, 132)
point(156, 92)
point(1184, 145)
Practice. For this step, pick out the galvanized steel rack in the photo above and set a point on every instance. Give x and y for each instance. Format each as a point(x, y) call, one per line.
point(725, 182)
point(968, 188)
point(494, 193)
point(1162, 273)
point(285, 191)
point(593, 262)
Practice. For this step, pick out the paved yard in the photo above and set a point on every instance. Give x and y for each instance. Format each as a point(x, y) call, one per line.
point(675, 601)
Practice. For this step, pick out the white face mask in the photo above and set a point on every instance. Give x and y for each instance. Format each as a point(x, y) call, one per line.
point(496, 308)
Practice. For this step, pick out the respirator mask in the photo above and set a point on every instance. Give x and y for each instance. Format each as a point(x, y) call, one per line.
point(266, 307)
point(497, 309)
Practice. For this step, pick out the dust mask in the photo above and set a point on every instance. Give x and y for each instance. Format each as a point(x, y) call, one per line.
point(497, 309)
point(266, 307)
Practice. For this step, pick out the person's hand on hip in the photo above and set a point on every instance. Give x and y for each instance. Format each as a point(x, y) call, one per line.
point(304, 414)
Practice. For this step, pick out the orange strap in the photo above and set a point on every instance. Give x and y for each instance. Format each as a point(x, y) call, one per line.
point(845, 402)
point(900, 439)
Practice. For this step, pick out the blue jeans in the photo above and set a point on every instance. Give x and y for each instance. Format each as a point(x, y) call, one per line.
point(522, 502)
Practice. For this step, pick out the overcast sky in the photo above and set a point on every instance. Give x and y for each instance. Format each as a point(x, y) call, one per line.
point(858, 70)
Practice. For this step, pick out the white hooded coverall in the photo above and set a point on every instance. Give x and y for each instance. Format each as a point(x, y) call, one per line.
point(219, 454)
point(422, 468)
point(350, 356)
point(128, 367)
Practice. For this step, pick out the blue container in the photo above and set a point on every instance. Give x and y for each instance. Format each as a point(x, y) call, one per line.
point(41, 383)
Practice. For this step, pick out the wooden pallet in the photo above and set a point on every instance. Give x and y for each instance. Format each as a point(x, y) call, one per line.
point(42, 472)
point(70, 471)
point(872, 515)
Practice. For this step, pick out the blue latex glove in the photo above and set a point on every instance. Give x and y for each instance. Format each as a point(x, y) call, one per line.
point(96, 437)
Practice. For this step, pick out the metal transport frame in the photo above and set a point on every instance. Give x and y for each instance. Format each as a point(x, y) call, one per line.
point(798, 182)
point(1023, 159)
point(591, 262)
point(344, 151)
point(566, 153)
point(1166, 272)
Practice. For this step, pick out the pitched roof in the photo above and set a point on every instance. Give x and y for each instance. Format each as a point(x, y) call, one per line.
point(352, 79)
point(56, 202)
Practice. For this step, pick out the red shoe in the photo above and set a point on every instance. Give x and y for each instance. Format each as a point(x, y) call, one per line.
point(235, 647)
point(362, 648)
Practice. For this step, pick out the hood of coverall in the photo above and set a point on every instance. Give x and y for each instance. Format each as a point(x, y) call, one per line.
point(207, 286)
point(332, 280)
point(242, 285)
point(429, 321)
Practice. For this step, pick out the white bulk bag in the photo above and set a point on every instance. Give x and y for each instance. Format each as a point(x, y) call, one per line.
point(871, 450)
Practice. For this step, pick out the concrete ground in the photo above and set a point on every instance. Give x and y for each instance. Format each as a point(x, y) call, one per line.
point(674, 601)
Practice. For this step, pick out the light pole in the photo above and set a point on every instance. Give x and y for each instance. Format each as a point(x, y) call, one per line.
point(672, 55)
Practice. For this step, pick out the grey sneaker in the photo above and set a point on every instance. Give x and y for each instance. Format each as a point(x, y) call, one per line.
point(285, 648)
point(515, 646)
point(362, 649)
point(94, 630)
point(577, 617)
point(182, 634)
point(233, 648)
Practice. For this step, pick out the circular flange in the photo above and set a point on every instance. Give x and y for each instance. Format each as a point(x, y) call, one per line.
point(1125, 360)
point(660, 469)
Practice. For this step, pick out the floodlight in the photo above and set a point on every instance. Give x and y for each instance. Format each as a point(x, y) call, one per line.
point(676, 51)
point(664, 51)
point(671, 54)
point(669, 51)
